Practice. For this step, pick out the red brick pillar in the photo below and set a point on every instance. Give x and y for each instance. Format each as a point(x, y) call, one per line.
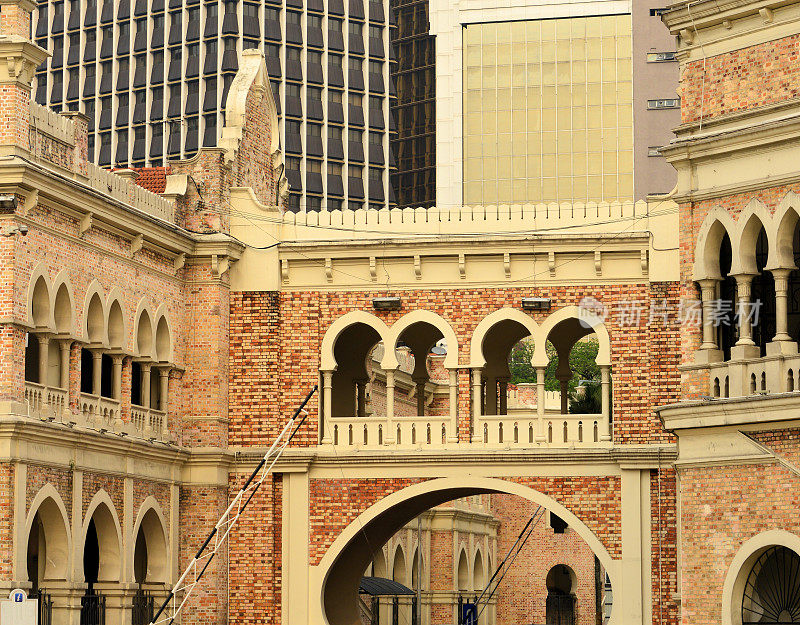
point(12, 362)
point(125, 390)
point(21, 58)
point(464, 405)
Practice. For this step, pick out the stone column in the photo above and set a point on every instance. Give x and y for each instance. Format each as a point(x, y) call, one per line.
point(97, 363)
point(44, 358)
point(502, 396)
point(420, 385)
point(144, 387)
point(744, 347)
point(490, 396)
point(563, 384)
point(361, 397)
point(604, 433)
point(709, 351)
point(540, 433)
point(327, 409)
point(453, 407)
point(163, 379)
point(781, 343)
point(64, 351)
point(477, 404)
point(390, 435)
point(116, 378)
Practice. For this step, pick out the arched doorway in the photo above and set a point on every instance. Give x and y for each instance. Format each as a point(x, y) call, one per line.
point(101, 563)
point(47, 550)
point(341, 567)
point(150, 563)
point(560, 607)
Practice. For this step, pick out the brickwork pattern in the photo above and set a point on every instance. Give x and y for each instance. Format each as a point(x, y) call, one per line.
point(664, 533)
point(38, 477)
point(7, 472)
point(142, 489)
point(113, 485)
point(741, 80)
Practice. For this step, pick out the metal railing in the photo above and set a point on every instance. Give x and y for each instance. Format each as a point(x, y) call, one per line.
point(143, 608)
point(93, 609)
point(45, 607)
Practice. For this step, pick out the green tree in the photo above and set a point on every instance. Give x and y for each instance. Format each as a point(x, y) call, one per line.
point(581, 362)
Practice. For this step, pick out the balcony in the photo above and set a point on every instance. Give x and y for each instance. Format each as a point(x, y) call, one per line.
point(100, 412)
point(149, 422)
point(46, 403)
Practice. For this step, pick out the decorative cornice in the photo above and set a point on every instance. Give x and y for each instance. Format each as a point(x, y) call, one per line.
point(732, 411)
point(19, 59)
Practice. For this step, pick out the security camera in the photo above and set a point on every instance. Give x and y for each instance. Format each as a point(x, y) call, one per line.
point(23, 230)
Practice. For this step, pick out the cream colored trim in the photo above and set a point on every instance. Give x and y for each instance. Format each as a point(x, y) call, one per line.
point(102, 498)
point(739, 569)
point(150, 503)
point(327, 358)
point(48, 491)
point(588, 319)
point(420, 316)
point(476, 357)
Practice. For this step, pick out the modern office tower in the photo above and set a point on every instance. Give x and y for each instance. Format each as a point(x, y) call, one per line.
point(656, 106)
point(153, 75)
point(414, 146)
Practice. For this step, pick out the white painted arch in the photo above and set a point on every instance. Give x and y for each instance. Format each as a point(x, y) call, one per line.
point(742, 563)
point(327, 358)
point(476, 357)
point(58, 540)
point(420, 316)
point(587, 319)
point(401, 498)
point(156, 538)
point(110, 541)
point(63, 304)
point(40, 298)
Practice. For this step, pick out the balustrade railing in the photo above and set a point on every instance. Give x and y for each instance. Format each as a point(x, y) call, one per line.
point(519, 430)
point(759, 376)
point(148, 420)
point(99, 411)
point(45, 402)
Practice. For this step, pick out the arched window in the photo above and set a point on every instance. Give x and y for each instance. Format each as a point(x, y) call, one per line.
point(772, 590)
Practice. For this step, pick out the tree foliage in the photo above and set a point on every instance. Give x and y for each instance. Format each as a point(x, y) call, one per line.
point(581, 362)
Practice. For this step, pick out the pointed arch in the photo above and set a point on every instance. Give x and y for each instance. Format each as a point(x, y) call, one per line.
point(478, 572)
point(116, 320)
point(153, 524)
point(327, 357)
point(785, 219)
point(63, 304)
point(476, 355)
point(379, 566)
point(420, 316)
point(52, 512)
point(752, 219)
point(94, 314)
point(40, 289)
point(144, 337)
point(109, 535)
point(716, 225)
point(399, 569)
point(417, 562)
point(163, 337)
point(584, 322)
point(462, 571)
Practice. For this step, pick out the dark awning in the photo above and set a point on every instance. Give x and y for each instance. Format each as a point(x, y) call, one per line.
point(381, 587)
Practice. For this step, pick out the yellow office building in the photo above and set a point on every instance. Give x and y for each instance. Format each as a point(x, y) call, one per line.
point(548, 113)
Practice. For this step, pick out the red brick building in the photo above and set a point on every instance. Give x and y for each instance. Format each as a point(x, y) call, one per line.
point(154, 345)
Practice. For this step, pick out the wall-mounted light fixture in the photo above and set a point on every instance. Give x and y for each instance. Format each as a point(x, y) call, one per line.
point(21, 229)
point(386, 303)
point(536, 303)
point(8, 202)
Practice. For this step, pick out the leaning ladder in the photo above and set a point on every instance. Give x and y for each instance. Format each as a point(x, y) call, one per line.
point(197, 567)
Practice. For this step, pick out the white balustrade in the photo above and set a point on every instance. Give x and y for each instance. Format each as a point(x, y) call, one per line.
point(148, 422)
point(45, 402)
point(759, 376)
point(520, 430)
point(100, 412)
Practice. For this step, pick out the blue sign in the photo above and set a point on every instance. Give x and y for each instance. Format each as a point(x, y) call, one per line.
point(18, 596)
point(469, 614)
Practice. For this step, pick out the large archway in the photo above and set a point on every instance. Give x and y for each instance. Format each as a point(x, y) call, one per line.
point(352, 551)
point(48, 548)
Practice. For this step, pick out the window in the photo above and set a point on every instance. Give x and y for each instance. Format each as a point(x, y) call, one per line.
point(335, 169)
point(354, 136)
point(376, 32)
point(292, 163)
point(557, 524)
point(272, 14)
point(158, 22)
point(772, 594)
point(141, 97)
point(376, 67)
point(334, 25)
point(354, 99)
point(122, 100)
point(193, 50)
point(660, 57)
point(293, 54)
point(666, 103)
point(375, 103)
point(313, 203)
point(211, 11)
point(314, 21)
point(335, 61)
point(335, 97)
point(292, 128)
point(354, 171)
point(355, 28)
point(193, 15)
point(314, 58)
point(251, 11)
point(354, 64)
point(292, 90)
point(314, 130)
point(314, 94)
point(314, 166)
point(376, 173)
point(293, 17)
point(376, 138)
